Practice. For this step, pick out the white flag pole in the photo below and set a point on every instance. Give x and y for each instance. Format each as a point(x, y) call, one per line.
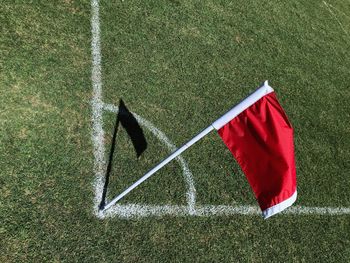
point(160, 165)
point(247, 102)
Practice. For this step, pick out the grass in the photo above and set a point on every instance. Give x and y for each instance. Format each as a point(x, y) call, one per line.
point(180, 65)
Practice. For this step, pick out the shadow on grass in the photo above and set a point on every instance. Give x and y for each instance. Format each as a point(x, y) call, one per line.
point(133, 129)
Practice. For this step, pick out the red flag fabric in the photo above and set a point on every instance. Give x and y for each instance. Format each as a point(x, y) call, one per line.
point(260, 137)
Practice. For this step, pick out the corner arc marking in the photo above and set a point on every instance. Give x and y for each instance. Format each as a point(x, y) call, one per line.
point(191, 190)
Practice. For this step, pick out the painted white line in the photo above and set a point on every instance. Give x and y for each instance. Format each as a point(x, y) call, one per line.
point(191, 191)
point(336, 18)
point(139, 211)
point(341, 12)
point(305, 210)
point(97, 129)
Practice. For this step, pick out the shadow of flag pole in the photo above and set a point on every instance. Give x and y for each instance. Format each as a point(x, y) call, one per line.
point(160, 165)
point(133, 129)
point(261, 140)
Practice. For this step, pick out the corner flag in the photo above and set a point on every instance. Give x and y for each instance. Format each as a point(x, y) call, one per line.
point(260, 137)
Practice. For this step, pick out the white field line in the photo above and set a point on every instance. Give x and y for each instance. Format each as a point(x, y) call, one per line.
point(341, 12)
point(336, 18)
point(97, 129)
point(191, 190)
point(139, 211)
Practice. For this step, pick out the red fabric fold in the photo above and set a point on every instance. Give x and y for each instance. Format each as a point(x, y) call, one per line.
point(261, 140)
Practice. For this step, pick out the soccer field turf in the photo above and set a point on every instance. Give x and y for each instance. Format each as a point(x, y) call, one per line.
point(177, 65)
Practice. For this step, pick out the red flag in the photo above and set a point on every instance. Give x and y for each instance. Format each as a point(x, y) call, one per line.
point(260, 137)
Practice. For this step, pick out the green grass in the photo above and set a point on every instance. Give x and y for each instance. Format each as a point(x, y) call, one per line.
point(180, 65)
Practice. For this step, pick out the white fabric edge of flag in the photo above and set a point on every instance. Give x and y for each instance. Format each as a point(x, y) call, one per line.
point(280, 206)
point(246, 103)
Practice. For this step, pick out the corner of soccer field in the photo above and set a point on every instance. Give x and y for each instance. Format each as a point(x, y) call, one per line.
point(177, 66)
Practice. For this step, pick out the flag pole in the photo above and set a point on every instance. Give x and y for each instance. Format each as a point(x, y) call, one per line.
point(244, 104)
point(160, 165)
